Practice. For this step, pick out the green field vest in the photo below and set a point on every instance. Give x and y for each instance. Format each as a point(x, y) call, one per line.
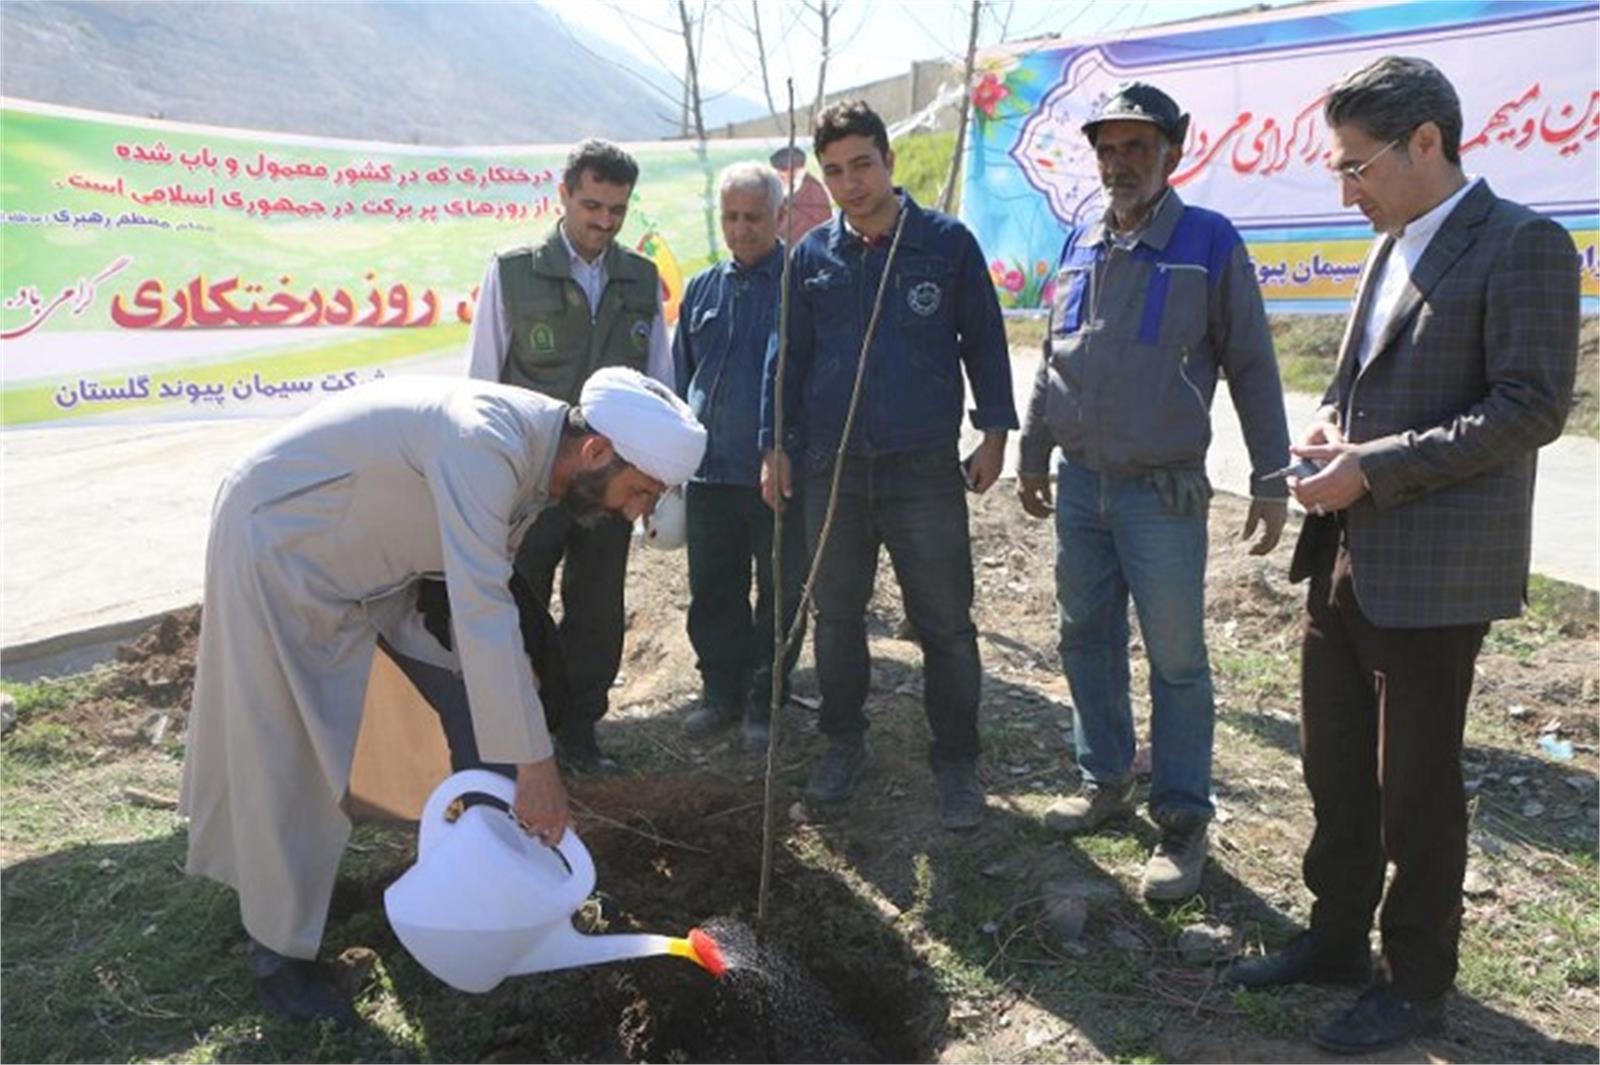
point(555, 345)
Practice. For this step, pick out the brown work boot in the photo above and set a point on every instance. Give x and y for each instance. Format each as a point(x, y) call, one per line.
point(1173, 871)
point(1093, 806)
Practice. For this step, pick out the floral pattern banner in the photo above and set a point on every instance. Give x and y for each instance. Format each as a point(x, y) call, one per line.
point(1257, 149)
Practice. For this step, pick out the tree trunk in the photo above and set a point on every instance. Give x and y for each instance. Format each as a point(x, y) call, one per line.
point(692, 82)
point(822, 68)
point(947, 195)
point(761, 54)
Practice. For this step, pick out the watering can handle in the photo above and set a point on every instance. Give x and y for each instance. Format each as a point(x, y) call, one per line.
point(468, 781)
point(581, 884)
point(433, 824)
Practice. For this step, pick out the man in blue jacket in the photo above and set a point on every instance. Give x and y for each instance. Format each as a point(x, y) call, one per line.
point(903, 483)
point(1153, 302)
point(728, 321)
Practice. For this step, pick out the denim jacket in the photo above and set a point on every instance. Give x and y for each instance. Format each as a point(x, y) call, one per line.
point(939, 317)
point(726, 324)
point(1138, 340)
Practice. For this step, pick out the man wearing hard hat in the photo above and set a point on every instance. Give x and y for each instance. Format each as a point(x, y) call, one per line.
point(319, 541)
point(1154, 301)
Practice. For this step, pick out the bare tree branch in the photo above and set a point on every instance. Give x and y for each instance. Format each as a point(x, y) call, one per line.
point(661, 108)
point(947, 195)
point(824, 15)
point(761, 52)
point(691, 85)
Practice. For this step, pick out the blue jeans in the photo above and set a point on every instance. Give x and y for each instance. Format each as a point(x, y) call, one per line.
point(914, 503)
point(1114, 535)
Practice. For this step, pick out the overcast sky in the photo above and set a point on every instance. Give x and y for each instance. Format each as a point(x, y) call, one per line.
point(870, 39)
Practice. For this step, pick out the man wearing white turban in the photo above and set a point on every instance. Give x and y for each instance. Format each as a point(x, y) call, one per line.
point(319, 541)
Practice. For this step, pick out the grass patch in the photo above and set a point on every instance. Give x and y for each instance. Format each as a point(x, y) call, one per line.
point(38, 739)
point(111, 954)
point(1111, 851)
point(1308, 349)
point(52, 693)
point(1584, 417)
point(1279, 1013)
point(1555, 935)
point(1025, 335)
point(1254, 677)
point(43, 742)
point(1555, 611)
point(921, 164)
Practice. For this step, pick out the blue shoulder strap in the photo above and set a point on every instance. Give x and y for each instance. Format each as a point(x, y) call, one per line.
point(1072, 255)
point(1197, 242)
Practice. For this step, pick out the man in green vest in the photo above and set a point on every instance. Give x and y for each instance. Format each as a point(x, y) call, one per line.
point(548, 316)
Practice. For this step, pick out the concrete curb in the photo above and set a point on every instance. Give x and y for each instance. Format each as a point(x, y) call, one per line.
point(71, 652)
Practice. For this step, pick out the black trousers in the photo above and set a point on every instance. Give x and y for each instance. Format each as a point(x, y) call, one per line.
point(1383, 711)
point(595, 566)
point(729, 535)
point(446, 693)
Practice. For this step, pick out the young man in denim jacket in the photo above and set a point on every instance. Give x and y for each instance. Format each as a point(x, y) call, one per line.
point(1152, 304)
point(904, 484)
point(728, 322)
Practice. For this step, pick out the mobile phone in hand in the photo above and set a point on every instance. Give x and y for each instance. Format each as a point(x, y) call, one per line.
point(1301, 469)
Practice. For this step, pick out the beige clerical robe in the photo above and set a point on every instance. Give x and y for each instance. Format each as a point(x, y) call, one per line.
point(317, 540)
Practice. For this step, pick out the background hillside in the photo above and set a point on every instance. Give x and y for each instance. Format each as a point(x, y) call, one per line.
point(440, 74)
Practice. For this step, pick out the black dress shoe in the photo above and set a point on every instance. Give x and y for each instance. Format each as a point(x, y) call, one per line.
point(1381, 1018)
point(298, 990)
point(1302, 963)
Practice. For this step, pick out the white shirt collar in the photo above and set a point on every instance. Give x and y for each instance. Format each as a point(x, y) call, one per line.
point(578, 261)
point(1394, 276)
point(1419, 231)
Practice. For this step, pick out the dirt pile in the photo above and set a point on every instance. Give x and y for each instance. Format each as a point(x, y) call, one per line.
point(158, 666)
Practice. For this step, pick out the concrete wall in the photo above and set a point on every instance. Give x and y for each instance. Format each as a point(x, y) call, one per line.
point(893, 98)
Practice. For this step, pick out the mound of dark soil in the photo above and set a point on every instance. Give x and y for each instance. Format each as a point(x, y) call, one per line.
point(830, 979)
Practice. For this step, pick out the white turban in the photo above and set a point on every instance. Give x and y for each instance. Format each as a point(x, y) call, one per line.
point(648, 425)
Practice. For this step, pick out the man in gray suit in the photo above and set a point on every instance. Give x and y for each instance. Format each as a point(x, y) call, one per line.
point(1457, 365)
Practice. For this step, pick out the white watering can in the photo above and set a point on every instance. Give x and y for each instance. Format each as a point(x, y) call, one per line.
point(485, 900)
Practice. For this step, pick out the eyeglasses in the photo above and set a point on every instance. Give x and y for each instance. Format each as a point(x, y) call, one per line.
point(1352, 172)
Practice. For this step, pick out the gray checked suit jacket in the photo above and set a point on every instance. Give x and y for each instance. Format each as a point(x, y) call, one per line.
point(1470, 377)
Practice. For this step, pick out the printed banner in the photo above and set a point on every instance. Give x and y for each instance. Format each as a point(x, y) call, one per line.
point(152, 270)
point(1258, 149)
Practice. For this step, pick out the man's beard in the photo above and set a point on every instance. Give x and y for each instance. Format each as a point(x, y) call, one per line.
point(1129, 203)
point(585, 497)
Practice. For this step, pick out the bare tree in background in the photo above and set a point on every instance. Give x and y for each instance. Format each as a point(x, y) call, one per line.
point(824, 30)
point(947, 195)
point(693, 43)
point(691, 82)
point(761, 54)
point(824, 15)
